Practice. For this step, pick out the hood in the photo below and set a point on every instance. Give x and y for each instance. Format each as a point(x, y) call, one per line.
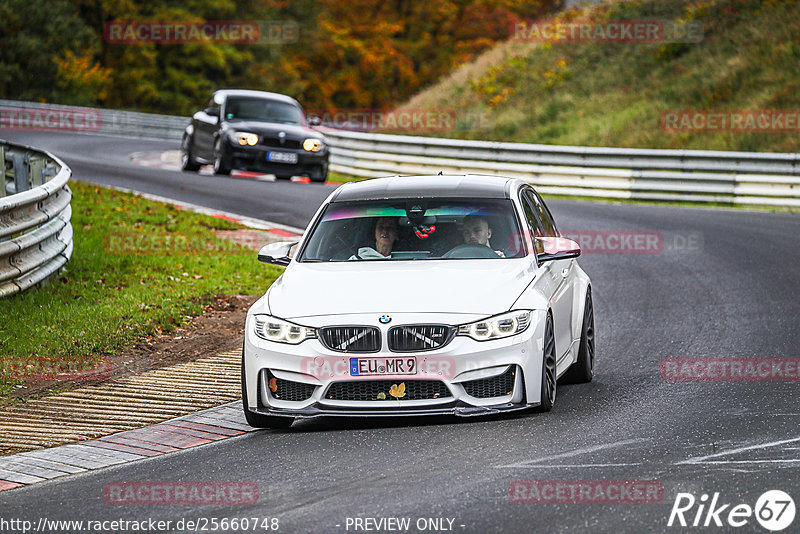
point(484, 287)
point(293, 131)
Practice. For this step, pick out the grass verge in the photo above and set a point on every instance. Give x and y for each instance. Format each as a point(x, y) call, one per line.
point(614, 94)
point(138, 268)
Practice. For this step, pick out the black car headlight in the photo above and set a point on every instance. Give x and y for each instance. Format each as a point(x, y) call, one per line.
point(245, 138)
point(274, 329)
point(313, 145)
point(497, 327)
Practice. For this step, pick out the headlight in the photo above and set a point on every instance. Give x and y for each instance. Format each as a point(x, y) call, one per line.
point(280, 331)
point(499, 326)
point(245, 138)
point(313, 145)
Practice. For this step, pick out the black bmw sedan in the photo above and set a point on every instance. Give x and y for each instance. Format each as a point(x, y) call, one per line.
point(255, 131)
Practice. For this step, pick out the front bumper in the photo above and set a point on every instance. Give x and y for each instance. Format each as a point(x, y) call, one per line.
point(458, 366)
point(314, 164)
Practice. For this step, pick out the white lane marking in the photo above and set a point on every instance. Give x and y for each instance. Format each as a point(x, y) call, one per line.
point(778, 461)
point(576, 452)
point(702, 459)
point(578, 465)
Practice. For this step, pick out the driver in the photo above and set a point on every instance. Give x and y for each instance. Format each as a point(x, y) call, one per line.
point(476, 231)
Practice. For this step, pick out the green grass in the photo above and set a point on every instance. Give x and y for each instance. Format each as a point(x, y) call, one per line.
point(339, 178)
point(600, 94)
point(112, 295)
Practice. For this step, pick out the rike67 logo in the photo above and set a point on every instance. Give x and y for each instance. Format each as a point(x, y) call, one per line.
point(774, 510)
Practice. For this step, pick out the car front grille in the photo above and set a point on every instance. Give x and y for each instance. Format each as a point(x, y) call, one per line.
point(289, 390)
point(381, 390)
point(496, 386)
point(419, 337)
point(351, 338)
point(287, 143)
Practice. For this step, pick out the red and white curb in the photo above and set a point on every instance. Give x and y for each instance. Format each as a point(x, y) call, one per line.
point(184, 432)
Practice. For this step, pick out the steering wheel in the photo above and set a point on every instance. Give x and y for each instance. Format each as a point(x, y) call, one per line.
point(467, 251)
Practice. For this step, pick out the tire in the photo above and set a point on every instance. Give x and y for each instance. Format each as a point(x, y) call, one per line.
point(320, 179)
point(222, 164)
point(549, 382)
point(257, 420)
point(188, 164)
point(582, 371)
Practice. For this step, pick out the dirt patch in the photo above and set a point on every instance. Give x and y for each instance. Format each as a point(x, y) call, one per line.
point(219, 329)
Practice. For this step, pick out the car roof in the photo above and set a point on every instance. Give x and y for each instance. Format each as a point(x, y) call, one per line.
point(257, 94)
point(427, 186)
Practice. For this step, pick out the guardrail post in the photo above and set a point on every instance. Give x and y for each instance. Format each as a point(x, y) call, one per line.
point(2, 171)
point(22, 170)
point(48, 172)
point(37, 174)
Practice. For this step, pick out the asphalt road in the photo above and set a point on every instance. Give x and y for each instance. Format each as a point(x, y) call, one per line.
point(106, 160)
point(725, 285)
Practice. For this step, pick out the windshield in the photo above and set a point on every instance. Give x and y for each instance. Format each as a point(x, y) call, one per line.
point(415, 229)
point(262, 109)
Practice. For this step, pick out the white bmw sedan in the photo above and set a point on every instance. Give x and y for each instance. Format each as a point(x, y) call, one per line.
point(419, 295)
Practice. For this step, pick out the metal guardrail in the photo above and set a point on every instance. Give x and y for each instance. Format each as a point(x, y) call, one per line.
point(35, 229)
point(27, 116)
point(625, 173)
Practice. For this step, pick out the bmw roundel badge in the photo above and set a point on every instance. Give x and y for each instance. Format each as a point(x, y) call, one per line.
point(385, 319)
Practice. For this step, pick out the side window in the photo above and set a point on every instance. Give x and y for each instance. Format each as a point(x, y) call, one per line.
point(548, 226)
point(530, 216)
point(546, 216)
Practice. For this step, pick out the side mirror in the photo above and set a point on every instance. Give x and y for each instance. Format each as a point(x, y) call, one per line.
point(212, 112)
point(276, 253)
point(550, 248)
point(314, 121)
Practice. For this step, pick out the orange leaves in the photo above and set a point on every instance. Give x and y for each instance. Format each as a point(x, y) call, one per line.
point(398, 392)
point(81, 73)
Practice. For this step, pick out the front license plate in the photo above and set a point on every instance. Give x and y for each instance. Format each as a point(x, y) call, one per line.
point(382, 366)
point(282, 157)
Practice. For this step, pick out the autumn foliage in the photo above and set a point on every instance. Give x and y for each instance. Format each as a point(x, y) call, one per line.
point(347, 54)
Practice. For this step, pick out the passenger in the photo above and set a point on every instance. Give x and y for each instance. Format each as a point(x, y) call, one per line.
point(385, 237)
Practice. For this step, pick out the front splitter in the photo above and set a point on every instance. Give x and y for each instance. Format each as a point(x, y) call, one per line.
point(457, 409)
